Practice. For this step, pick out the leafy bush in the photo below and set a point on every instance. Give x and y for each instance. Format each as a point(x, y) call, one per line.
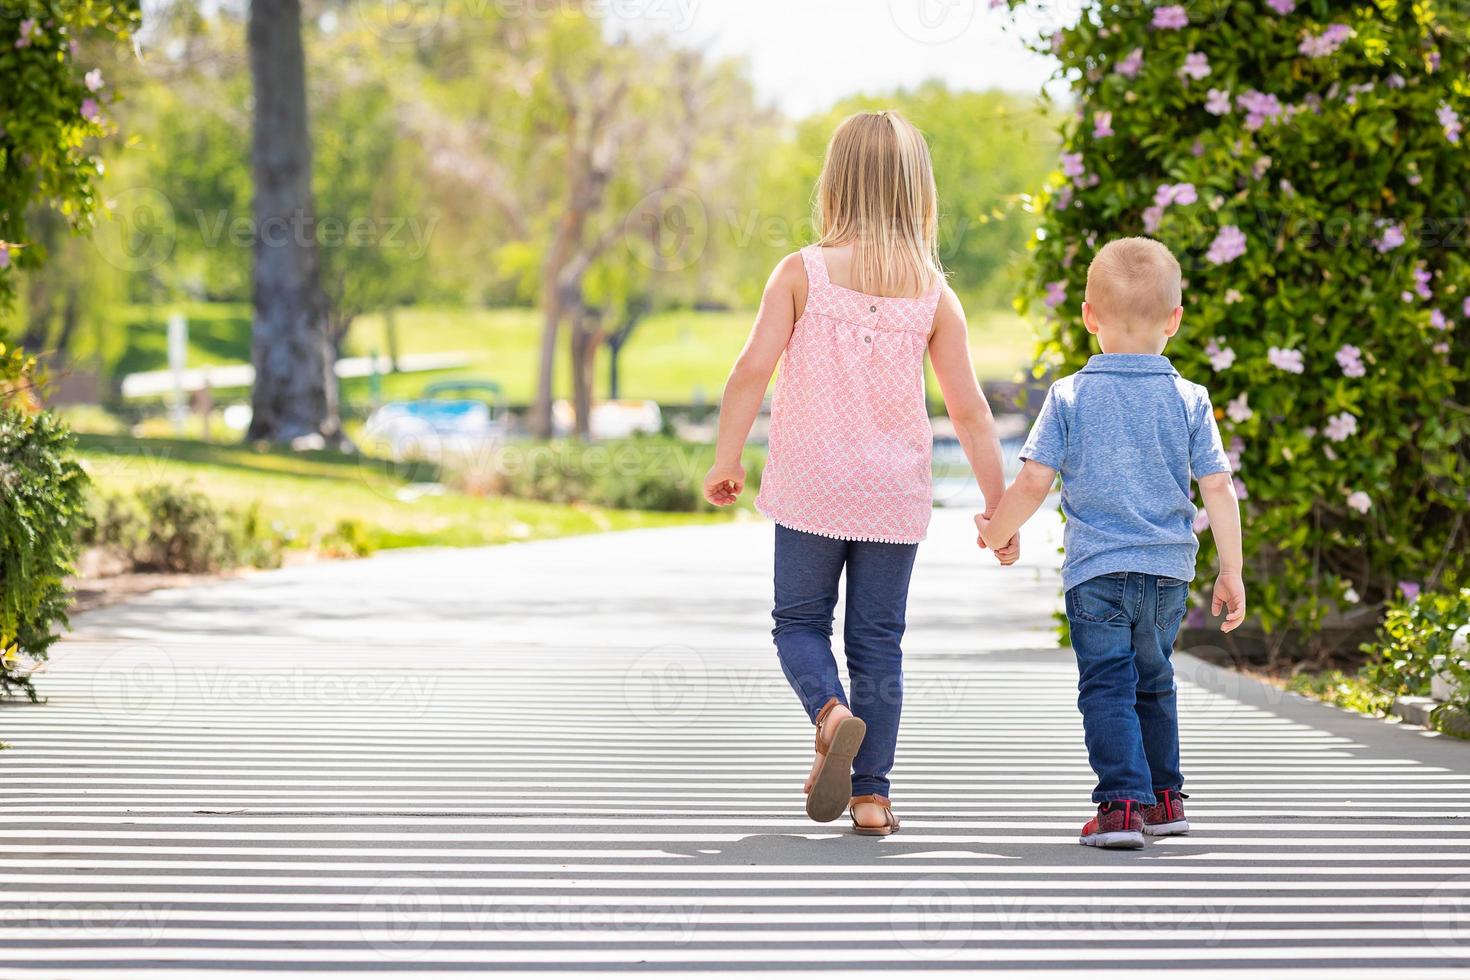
point(50, 132)
point(1344, 690)
point(642, 473)
point(1306, 162)
point(1416, 642)
point(171, 528)
point(41, 507)
point(350, 538)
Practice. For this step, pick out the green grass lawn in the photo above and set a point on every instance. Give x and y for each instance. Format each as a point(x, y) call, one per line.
point(309, 493)
point(679, 357)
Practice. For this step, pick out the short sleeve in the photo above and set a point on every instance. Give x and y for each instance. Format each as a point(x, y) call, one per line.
point(1047, 443)
point(1206, 451)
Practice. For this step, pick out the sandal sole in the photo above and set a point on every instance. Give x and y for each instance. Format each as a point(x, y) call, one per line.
point(833, 786)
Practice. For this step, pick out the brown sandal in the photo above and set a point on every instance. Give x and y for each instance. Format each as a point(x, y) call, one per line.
point(831, 786)
point(890, 827)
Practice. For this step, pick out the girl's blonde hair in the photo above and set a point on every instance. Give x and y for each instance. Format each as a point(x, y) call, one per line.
point(876, 193)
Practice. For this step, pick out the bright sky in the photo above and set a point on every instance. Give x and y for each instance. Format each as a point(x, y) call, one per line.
point(806, 54)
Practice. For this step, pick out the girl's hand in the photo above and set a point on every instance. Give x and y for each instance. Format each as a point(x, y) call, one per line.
point(723, 483)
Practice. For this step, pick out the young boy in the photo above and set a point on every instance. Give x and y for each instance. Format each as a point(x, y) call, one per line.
point(1126, 433)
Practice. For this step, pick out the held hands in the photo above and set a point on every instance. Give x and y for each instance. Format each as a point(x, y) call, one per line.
point(1230, 596)
point(723, 483)
point(1006, 554)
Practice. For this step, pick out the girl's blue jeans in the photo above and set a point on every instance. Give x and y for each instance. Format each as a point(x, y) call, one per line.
point(808, 569)
point(1123, 629)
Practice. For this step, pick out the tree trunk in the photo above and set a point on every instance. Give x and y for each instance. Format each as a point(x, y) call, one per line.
point(295, 388)
point(546, 376)
point(586, 338)
point(614, 348)
point(390, 337)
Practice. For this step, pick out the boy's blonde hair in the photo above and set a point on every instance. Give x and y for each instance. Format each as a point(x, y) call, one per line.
point(877, 194)
point(1134, 283)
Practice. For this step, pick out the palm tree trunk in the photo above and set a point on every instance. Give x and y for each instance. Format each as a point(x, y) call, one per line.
point(295, 390)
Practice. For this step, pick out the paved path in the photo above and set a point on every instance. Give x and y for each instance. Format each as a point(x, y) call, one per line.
point(576, 757)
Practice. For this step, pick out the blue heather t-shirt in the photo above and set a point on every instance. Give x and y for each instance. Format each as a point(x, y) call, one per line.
point(1127, 433)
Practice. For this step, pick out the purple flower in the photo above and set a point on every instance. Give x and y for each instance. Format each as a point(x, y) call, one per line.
point(1168, 194)
point(1286, 359)
point(1422, 279)
point(1350, 359)
point(1324, 44)
point(1282, 7)
point(1217, 102)
point(1170, 18)
point(91, 111)
point(1240, 491)
point(1201, 520)
point(1359, 501)
point(1340, 426)
point(1228, 246)
point(1056, 294)
point(1233, 451)
point(1466, 308)
point(1220, 357)
point(4, 255)
point(1410, 590)
point(1260, 108)
point(1238, 410)
point(1450, 120)
point(1437, 320)
point(1196, 65)
point(1130, 66)
point(1392, 237)
point(29, 31)
point(1102, 125)
point(1153, 216)
point(93, 79)
point(1441, 348)
point(1072, 165)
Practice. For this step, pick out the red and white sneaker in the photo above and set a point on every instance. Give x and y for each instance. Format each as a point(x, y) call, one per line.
point(1118, 824)
point(1166, 817)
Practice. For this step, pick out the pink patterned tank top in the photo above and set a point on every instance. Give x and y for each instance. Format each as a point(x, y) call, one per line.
point(850, 440)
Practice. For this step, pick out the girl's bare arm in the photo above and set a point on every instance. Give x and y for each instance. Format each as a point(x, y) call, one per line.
point(746, 387)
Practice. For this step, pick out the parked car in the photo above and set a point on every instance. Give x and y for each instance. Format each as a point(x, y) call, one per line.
point(450, 418)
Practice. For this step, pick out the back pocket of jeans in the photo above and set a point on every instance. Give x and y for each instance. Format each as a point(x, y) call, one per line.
point(1173, 597)
point(1098, 600)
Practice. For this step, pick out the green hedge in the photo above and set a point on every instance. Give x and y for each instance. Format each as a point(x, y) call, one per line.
point(1305, 160)
point(642, 473)
point(42, 508)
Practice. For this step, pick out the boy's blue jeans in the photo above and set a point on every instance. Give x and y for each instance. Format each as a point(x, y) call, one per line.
point(808, 567)
point(1123, 629)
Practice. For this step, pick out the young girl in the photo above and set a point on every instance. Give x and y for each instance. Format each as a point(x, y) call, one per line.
point(848, 479)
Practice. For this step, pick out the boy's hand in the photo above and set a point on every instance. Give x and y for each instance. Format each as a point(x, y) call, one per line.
point(1229, 595)
point(723, 483)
